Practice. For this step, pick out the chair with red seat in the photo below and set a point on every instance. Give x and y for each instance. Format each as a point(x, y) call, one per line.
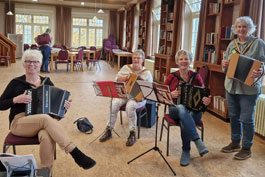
point(140, 112)
point(167, 122)
point(62, 59)
point(13, 140)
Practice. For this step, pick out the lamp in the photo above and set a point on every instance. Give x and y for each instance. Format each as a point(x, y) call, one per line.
point(9, 12)
point(95, 17)
point(100, 11)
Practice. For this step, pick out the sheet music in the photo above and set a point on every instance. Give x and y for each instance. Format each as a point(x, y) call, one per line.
point(147, 90)
point(18, 162)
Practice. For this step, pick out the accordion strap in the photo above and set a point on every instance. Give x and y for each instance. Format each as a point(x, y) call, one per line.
point(245, 50)
point(181, 79)
point(139, 71)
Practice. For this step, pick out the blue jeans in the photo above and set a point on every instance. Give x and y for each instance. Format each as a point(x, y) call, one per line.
point(187, 120)
point(46, 52)
point(241, 112)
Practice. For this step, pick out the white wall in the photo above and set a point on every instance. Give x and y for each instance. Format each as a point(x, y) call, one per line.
point(2, 18)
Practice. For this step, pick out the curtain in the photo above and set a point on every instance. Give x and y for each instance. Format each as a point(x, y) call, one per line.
point(134, 24)
point(179, 7)
point(63, 31)
point(10, 19)
point(67, 25)
point(58, 26)
point(257, 14)
point(113, 23)
point(122, 29)
point(200, 30)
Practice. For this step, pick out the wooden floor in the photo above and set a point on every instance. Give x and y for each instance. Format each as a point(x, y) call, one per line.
point(112, 156)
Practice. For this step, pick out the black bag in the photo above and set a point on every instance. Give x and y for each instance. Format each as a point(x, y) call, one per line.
point(84, 125)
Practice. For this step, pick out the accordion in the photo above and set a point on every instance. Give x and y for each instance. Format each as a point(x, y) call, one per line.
point(47, 99)
point(133, 88)
point(191, 96)
point(241, 67)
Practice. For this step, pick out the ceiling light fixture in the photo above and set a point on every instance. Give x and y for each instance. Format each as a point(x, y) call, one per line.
point(100, 11)
point(9, 12)
point(35, 0)
point(82, 3)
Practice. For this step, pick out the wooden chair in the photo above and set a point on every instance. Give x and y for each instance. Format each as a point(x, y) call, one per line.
point(12, 140)
point(140, 112)
point(5, 60)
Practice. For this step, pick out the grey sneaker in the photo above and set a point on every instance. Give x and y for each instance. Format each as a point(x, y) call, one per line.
point(243, 154)
point(106, 136)
point(185, 158)
point(232, 147)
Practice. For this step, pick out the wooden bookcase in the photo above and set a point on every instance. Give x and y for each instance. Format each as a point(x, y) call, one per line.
point(218, 19)
point(165, 58)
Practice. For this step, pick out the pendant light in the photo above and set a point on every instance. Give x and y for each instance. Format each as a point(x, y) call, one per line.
point(9, 12)
point(100, 11)
point(95, 17)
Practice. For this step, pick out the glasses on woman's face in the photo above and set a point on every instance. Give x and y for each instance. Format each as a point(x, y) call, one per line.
point(32, 62)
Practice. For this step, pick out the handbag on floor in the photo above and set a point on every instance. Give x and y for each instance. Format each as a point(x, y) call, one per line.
point(84, 125)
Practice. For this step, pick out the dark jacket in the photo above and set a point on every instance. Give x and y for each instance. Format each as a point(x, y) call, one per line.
point(16, 87)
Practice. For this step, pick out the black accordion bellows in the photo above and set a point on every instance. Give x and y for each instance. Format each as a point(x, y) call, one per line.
point(191, 96)
point(47, 99)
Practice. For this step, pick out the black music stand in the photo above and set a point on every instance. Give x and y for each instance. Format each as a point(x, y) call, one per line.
point(109, 89)
point(161, 94)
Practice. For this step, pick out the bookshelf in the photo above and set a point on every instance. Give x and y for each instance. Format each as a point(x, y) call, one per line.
point(142, 26)
point(169, 25)
point(216, 35)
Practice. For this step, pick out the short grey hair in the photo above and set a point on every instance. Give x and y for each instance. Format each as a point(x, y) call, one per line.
point(249, 22)
point(185, 52)
point(139, 52)
point(32, 55)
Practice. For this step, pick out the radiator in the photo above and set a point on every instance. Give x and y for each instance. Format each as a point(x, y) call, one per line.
point(259, 115)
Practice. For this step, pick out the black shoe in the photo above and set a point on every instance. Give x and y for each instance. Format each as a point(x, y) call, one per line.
point(232, 147)
point(131, 139)
point(243, 154)
point(107, 135)
point(82, 160)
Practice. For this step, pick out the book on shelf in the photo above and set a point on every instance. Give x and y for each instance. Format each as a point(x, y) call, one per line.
point(169, 36)
point(170, 16)
point(168, 50)
point(214, 8)
point(161, 49)
point(162, 34)
point(211, 38)
point(226, 32)
point(157, 74)
point(164, 21)
point(220, 104)
point(169, 26)
point(209, 55)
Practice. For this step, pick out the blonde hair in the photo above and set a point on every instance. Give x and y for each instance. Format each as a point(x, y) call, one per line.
point(185, 52)
point(32, 54)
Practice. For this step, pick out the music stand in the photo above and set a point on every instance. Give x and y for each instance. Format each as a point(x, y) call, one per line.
point(110, 89)
point(160, 94)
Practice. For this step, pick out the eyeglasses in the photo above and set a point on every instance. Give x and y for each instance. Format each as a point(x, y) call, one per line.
point(32, 62)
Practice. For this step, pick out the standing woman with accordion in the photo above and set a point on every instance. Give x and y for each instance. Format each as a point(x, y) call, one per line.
point(186, 118)
point(48, 129)
point(241, 98)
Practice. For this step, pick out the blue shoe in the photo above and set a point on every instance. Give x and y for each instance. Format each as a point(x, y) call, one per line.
point(201, 147)
point(185, 158)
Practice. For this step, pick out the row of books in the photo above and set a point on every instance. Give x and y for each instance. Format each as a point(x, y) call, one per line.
point(220, 104)
point(226, 32)
point(214, 8)
point(170, 16)
point(209, 55)
point(169, 26)
point(157, 75)
point(161, 49)
point(162, 34)
point(211, 38)
point(228, 1)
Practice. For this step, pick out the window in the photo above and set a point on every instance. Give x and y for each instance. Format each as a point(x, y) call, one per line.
point(156, 29)
point(195, 24)
point(31, 26)
point(87, 32)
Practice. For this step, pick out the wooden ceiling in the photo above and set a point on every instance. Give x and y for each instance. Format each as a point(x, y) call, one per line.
point(104, 4)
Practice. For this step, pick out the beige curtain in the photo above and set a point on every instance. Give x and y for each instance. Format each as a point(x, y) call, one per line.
point(10, 19)
point(200, 30)
point(113, 23)
point(122, 29)
point(257, 14)
point(63, 34)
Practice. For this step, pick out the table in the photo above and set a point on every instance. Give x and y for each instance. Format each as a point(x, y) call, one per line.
point(121, 53)
point(71, 55)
